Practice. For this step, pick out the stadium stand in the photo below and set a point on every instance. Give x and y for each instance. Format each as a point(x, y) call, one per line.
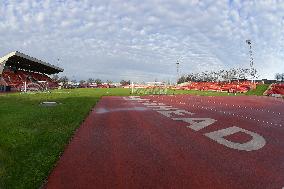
point(276, 89)
point(233, 87)
point(20, 72)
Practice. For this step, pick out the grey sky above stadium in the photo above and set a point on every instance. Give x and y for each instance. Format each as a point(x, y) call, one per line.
point(141, 40)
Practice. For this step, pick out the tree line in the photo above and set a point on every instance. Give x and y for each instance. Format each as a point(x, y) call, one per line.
point(221, 75)
point(65, 80)
point(279, 77)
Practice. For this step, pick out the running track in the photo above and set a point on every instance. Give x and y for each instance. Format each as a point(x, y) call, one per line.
point(127, 144)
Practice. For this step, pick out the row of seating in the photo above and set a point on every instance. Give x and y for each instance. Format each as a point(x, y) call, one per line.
point(276, 89)
point(16, 79)
point(233, 87)
point(12, 79)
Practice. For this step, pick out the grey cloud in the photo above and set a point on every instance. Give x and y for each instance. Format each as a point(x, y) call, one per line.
point(143, 40)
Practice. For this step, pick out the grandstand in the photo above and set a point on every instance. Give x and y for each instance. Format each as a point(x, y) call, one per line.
point(231, 87)
point(276, 90)
point(20, 72)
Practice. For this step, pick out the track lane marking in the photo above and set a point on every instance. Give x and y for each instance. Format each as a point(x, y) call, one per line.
point(257, 141)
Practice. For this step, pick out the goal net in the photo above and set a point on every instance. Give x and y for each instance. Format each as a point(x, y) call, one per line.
point(152, 88)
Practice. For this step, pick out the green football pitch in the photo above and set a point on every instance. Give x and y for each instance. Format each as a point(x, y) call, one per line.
point(32, 137)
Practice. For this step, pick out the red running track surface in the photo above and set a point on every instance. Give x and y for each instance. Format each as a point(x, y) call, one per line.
point(125, 144)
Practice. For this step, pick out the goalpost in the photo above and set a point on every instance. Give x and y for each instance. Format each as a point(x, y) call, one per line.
point(39, 86)
point(151, 88)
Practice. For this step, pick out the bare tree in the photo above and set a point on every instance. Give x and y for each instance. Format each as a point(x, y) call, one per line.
point(90, 80)
point(182, 79)
point(278, 76)
point(98, 81)
point(82, 82)
point(55, 78)
point(124, 82)
point(221, 75)
point(109, 82)
point(64, 80)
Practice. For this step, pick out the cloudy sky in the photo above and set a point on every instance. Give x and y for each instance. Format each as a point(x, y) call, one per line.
point(142, 40)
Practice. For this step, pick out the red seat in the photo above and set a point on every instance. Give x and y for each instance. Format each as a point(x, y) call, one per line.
point(16, 79)
point(276, 89)
point(221, 86)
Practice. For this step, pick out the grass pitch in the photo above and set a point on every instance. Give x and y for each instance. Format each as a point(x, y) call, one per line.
point(260, 89)
point(32, 137)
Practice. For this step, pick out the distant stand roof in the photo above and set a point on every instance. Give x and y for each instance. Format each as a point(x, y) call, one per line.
point(22, 61)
